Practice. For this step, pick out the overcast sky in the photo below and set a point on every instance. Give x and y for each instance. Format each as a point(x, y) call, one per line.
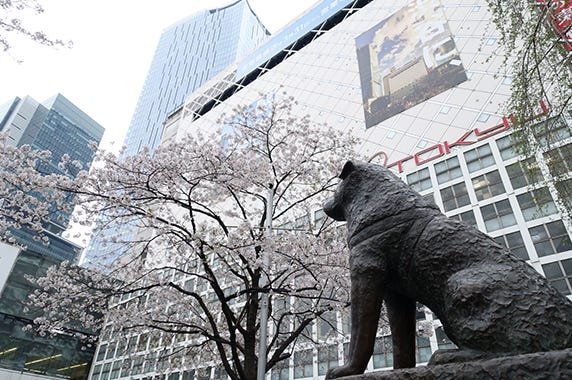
point(114, 42)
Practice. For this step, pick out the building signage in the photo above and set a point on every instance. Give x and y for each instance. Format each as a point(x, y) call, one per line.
point(560, 17)
point(290, 34)
point(468, 138)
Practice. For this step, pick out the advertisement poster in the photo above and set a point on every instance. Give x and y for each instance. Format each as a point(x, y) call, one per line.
point(406, 59)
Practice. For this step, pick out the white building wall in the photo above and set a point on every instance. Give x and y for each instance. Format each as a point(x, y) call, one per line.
point(8, 256)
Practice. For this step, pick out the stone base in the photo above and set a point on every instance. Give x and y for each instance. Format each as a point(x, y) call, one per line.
point(540, 365)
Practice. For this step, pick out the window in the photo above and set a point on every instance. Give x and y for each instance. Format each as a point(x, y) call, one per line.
point(105, 333)
point(189, 284)
point(110, 350)
point(115, 370)
point(551, 131)
point(564, 189)
point(154, 339)
point(142, 346)
point(204, 373)
point(468, 217)
point(488, 185)
point(96, 372)
point(423, 349)
point(506, 147)
point(327, 325)
point(514, 243)
point(189, 375)
point(126, 367)
point(132, 343)
point(219, 373)
point(346, 322)
point(498, 215)
point(560, 160)
point(281, 306)
point(120, 346)
point(419, 180)
point(443, 340)
point(319, 216)
point(327, 358)
point(483, 118)
point(479, 158)
point(101, 352)
point(303, 364)
point(524, 173)
point(281, 370)
point(448, 170)
point(383, 352)
point(550, 238)
point(455, 196)
point(150, 362)
point(536, 204)
point(105, 372)
point(302, 306)
point(137, 365)
point(559, 274)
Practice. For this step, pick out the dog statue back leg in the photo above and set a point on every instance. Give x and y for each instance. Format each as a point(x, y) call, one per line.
point(401, 314)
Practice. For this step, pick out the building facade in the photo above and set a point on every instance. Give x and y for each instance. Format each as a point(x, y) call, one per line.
point(61, 127)
point(189, 53)
point(417, 82)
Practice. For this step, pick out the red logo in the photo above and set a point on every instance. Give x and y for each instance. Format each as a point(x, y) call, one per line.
point(440, 149)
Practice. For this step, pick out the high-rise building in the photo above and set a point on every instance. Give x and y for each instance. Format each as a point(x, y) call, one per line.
point(417, 83)
point(189, 53)
point(61, 127)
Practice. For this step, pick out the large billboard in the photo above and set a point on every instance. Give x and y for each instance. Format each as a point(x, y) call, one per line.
point(406, 59)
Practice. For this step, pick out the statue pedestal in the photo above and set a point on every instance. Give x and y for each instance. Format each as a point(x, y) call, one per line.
point(540, 365)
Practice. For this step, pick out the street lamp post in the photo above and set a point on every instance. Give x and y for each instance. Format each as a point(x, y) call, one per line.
point(264, 299)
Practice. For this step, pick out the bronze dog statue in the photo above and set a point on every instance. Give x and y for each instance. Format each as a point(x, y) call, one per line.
point(404, 250)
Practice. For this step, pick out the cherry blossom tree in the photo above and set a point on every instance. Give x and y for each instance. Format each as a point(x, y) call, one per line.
point(222, 218)
point(12, 24)
point(537, 37)
point(29, 197)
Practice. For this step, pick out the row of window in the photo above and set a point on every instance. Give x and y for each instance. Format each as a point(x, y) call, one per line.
point(303, 364)
point(548, 238)
point(521, 173)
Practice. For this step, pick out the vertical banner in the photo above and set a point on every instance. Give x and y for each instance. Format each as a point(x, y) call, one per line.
point(406, 59)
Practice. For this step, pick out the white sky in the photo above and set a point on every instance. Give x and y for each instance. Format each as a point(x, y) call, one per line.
point(114, 42)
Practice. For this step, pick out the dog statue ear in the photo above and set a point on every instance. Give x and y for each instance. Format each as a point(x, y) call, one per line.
point(346, 171)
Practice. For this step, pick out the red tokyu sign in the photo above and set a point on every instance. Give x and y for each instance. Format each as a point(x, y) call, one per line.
point(560, 17)
point(440, 149)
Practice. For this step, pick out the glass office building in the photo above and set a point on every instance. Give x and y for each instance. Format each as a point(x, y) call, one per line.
point(61, 127)
point(415, 81)
point(189, 53)
point(56, 125)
